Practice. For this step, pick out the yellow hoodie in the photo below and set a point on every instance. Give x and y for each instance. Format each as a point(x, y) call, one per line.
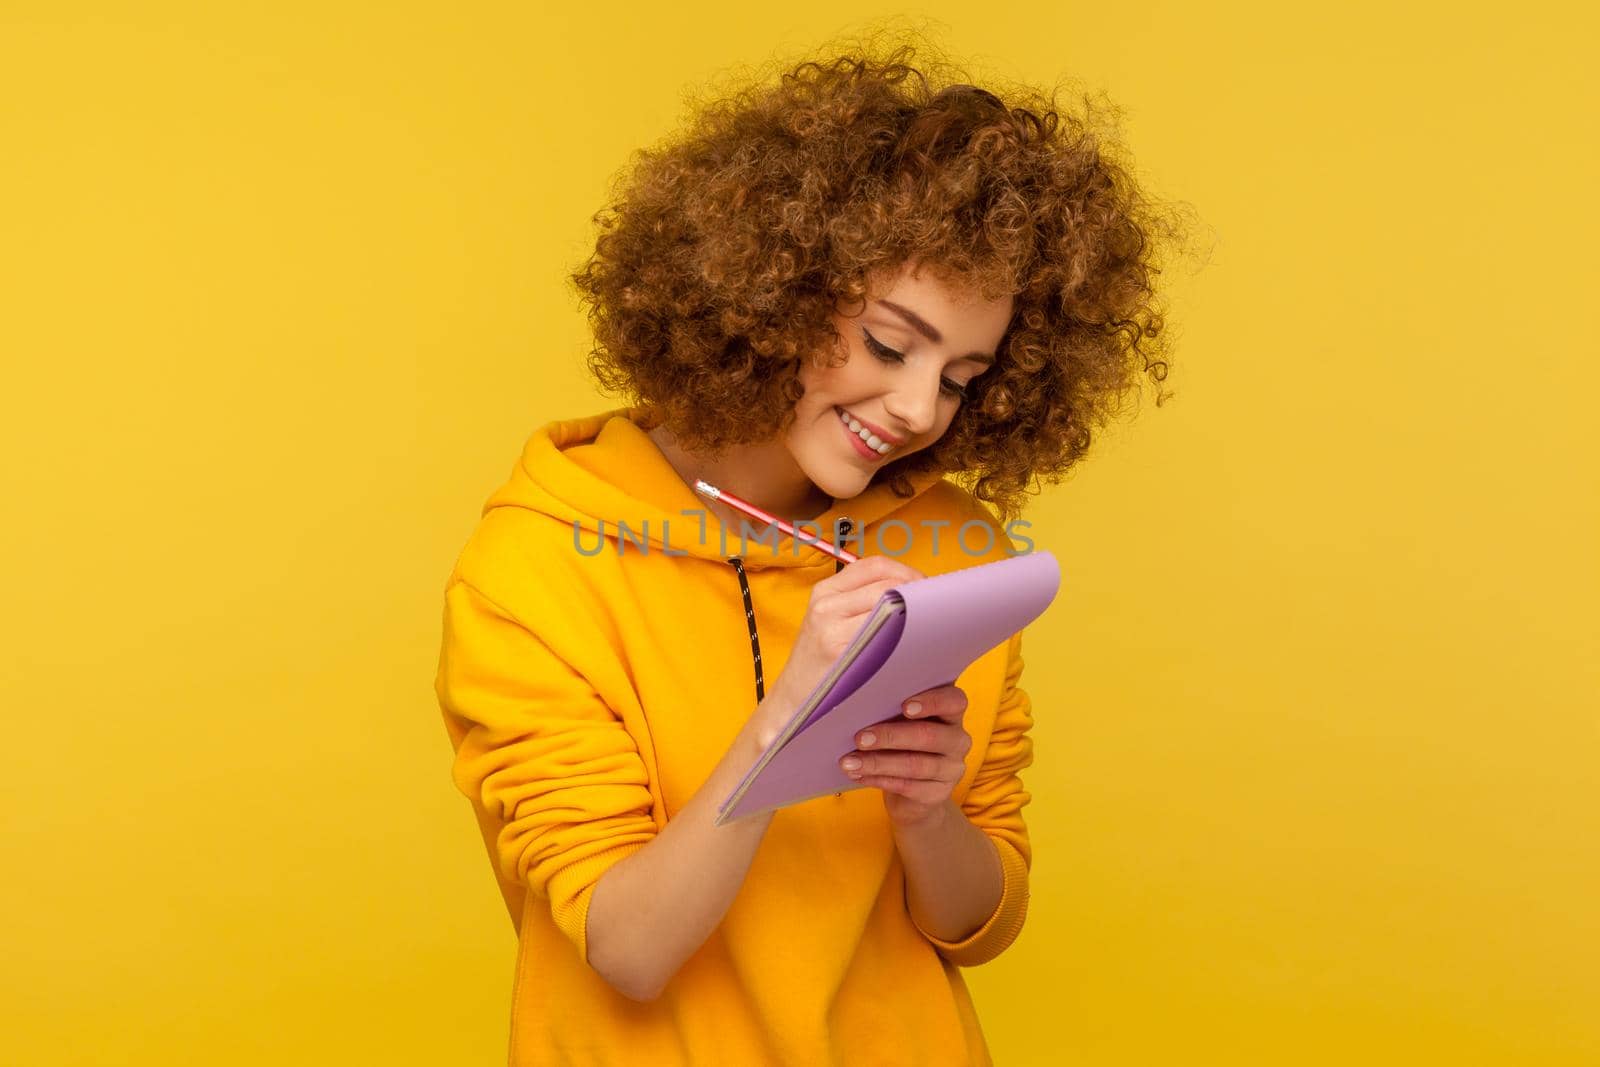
point(589, 685)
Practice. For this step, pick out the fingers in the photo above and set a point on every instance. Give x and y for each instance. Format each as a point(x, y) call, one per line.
point(920, 791)
point(851, 603)
point(855, 602)
point(918, 758)
point(946, 702)
point(856, 590)
point(928, 743)
point(931, 723)
point(871, 569)
point(917, 766)
point(897, 735)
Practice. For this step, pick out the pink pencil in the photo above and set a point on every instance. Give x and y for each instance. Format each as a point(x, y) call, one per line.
point(705, 488)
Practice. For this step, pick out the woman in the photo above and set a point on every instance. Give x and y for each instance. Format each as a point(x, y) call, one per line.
point(824, 297)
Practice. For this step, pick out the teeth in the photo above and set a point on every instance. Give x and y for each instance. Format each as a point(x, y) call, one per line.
point(873, 441)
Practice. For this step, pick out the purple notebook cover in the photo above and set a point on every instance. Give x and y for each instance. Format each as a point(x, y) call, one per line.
point(947, 622)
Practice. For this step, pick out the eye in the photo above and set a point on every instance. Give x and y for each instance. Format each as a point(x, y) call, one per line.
point(889, 355)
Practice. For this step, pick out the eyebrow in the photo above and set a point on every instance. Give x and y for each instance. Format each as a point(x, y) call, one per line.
point(926, 329)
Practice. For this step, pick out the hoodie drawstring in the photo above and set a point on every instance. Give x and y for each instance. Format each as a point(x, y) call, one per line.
point(750, 612)
point(750, 621)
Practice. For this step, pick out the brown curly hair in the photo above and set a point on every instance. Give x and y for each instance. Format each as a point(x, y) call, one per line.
point(724, 251)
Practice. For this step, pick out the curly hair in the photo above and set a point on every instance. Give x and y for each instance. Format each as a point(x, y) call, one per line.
point(724, 251)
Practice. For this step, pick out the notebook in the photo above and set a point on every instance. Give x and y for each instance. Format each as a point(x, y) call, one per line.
point(921, 635)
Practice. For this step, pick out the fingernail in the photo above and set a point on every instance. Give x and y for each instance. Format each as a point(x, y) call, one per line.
point(913, 707)
point(868, 739)
point(851, 763)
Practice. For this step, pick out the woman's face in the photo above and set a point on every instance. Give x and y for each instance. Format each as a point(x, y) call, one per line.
point(914, 345)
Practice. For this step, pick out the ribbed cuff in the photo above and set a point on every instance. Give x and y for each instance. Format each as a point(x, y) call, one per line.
point(571, 887)
point(1002, 928)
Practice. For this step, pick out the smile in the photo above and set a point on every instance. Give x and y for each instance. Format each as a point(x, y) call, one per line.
point(870, 444)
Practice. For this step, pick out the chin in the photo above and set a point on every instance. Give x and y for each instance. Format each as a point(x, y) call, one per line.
point(837, 477)
point(841, 485)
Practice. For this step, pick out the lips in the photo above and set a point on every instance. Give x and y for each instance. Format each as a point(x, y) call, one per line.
point(876, 431)
point(860, 447)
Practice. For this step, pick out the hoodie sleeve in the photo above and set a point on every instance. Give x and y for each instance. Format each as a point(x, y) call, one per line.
point(540, 755)
point(994, 804)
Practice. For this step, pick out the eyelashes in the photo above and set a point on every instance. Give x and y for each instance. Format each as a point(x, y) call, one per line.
point(889, 355)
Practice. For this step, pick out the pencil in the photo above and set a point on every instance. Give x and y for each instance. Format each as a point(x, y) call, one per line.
point(705, 488)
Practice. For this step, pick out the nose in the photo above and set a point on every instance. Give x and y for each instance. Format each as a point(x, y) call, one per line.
point(915, 407)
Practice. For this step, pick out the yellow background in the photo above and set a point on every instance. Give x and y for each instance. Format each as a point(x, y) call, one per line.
point(282, 294)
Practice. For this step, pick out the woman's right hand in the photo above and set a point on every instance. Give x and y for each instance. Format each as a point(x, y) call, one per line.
point(838, 608)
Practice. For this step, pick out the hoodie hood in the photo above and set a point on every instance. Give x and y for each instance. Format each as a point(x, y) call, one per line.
point(602, 470)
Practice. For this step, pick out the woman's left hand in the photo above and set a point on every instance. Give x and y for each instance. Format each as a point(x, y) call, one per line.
point(916, 759)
